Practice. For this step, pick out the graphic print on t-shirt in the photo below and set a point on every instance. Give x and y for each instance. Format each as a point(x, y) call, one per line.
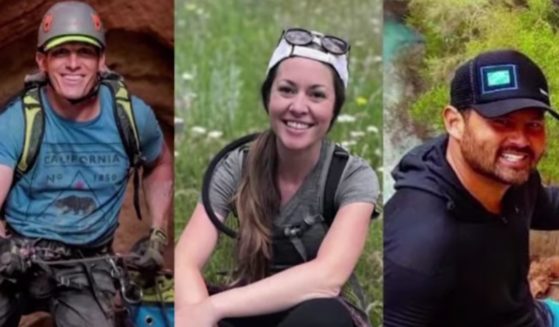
point(69, 202)
point(76, 180)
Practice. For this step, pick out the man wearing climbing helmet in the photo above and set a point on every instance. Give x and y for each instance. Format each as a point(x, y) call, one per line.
point(63, 181)
point(68, 29)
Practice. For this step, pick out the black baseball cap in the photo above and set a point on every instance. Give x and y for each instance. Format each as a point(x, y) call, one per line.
point(499, 82)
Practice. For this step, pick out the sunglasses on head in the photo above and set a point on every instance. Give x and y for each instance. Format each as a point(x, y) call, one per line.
point(303, 37)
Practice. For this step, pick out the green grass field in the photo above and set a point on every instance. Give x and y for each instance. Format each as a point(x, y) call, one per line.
point(221, 51)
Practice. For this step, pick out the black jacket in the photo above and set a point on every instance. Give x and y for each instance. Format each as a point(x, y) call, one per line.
point(450, 262)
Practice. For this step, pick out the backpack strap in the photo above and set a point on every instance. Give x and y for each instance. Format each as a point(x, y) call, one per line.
point(241, 142)
point(335, 170)
point(34, 128)
point(125, 120)
point(33, 123)
point(340, 157)
point(295, 232)
point(127, 129)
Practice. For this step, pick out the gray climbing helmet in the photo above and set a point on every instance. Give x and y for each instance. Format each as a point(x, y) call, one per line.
point(70, 21)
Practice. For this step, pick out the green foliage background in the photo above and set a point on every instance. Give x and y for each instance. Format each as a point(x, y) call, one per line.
point(457, 30)
point(221, 52)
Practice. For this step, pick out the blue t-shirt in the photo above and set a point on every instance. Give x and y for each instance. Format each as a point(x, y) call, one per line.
point(75, 189)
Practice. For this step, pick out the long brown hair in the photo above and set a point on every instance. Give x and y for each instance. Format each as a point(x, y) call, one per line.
point(258, 198)
point(257, 202)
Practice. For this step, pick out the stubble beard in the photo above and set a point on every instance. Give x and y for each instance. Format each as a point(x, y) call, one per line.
point(484, 160)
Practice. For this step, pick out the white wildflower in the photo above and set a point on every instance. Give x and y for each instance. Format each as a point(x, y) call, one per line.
point(186, 76)
point(215, 134)
point(345, 118)
point(198, 130)
point(347, 144)
point(372, 129)
point(356, 134)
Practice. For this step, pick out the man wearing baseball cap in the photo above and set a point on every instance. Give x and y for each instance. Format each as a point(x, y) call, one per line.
point(63, 180)
point(456, 231)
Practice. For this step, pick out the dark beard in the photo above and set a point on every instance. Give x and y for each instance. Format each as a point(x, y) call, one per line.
point(484, 161)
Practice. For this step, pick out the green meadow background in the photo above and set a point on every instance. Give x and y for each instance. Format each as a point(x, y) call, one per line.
point(221, 52)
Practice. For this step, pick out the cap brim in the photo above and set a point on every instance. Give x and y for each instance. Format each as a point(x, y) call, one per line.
point(503, 107)
point(70, 38)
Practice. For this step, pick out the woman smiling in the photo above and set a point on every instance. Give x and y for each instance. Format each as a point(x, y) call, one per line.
point(292, 259)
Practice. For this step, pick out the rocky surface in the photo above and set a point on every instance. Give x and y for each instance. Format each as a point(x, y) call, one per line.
point(140, 47)
point(544, 277)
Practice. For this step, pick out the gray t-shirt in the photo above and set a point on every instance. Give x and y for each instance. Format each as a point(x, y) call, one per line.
point(358, 183)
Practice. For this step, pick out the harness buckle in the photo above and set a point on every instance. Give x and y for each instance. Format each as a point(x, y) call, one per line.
point(116, 272)
point(309, 220)
point(64, 281)
point(131, 292)
point(292, 231)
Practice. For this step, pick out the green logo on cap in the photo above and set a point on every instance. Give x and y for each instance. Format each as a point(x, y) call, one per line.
point(498, 77)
